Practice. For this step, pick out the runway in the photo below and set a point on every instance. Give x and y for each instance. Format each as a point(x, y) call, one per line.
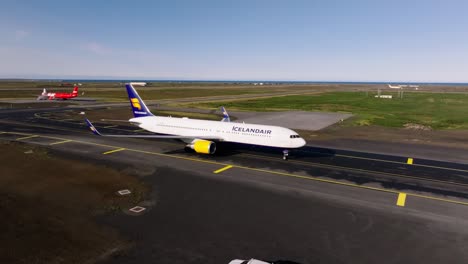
point(336, 198)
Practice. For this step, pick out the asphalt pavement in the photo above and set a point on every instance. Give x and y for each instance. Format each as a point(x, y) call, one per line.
point(324, 205)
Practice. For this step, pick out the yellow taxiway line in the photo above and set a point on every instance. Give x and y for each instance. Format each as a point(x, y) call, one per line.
point(32, 136)
point(401, 199)
point(112, 151)
point(328, 166)
point(311, 178)
point(223, 169)
point(60, 142)
point(336, 155)
point(400, 162)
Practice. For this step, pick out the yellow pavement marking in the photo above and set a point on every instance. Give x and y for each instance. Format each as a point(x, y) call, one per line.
point(112, 151)
point(32, 136)
point(259, 170)
point(60, 142)
point(328, 166)
point(364, 158)
point(223, 169)
point(401, 199)
point(399, 162)
point(410, 161)
point(111, 126)
point(336, 155)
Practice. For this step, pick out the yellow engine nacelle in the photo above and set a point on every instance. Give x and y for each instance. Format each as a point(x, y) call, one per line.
point(203, 147)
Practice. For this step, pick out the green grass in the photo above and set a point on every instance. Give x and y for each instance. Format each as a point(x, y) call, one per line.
point(437, 110)
point(170, 93)
point(114, 91)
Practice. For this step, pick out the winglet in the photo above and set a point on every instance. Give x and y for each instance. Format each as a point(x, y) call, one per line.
point(226, 117)
point(92, 128)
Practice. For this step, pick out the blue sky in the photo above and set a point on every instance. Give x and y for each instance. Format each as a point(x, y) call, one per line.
point(420, 41)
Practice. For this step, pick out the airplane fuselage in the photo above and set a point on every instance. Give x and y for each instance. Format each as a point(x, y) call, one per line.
point(64, 96)
point(254, 134)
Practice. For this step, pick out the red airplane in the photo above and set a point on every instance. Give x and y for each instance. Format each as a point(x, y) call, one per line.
point(64, 96)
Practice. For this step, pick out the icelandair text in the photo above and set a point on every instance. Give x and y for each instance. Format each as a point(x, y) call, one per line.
point(251, 130)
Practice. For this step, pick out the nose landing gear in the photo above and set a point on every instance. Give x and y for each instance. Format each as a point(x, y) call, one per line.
point(285, 154)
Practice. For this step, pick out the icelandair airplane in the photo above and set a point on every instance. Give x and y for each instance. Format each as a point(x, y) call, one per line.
point(202, 135)
point(64, 96)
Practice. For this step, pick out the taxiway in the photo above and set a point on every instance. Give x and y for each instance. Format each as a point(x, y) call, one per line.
point(324, 205)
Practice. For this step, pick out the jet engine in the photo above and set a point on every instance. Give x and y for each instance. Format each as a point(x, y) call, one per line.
point(203, 146)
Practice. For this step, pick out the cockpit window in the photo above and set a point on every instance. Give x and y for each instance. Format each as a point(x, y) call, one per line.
point(294, 136)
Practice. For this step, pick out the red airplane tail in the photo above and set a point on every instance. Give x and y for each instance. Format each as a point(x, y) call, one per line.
point(75, 91)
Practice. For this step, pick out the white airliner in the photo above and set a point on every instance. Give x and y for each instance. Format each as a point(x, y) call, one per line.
point(394, 87)
point(202, 135)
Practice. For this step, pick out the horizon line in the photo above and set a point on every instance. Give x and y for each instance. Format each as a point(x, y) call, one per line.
point(218, 80)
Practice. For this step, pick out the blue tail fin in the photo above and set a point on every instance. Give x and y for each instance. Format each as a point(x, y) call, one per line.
point(139, 108)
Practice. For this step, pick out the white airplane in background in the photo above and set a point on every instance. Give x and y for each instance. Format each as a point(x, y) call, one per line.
point(394, 87)
point(202, 135)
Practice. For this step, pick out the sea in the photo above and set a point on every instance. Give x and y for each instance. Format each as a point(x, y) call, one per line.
point(264, 82)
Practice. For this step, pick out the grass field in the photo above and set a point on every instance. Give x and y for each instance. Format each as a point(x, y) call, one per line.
point(169, 93)
point(436, 110)
point(114, 91)
point(121, 94)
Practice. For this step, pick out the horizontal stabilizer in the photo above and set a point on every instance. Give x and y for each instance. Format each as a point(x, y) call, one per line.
point(92, 128)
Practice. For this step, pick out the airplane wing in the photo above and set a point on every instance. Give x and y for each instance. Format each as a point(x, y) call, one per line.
point(96, 132)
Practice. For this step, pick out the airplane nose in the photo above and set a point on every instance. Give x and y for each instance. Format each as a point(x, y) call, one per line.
point(302, 142)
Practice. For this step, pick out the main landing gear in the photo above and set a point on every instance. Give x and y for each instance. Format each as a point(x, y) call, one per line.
point(285, 154)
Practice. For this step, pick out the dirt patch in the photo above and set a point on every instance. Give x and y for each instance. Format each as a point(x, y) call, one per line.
point(49, 204)
point(417, 127)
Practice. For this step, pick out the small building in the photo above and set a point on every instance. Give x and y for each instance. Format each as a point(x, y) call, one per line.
point(384, 96)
